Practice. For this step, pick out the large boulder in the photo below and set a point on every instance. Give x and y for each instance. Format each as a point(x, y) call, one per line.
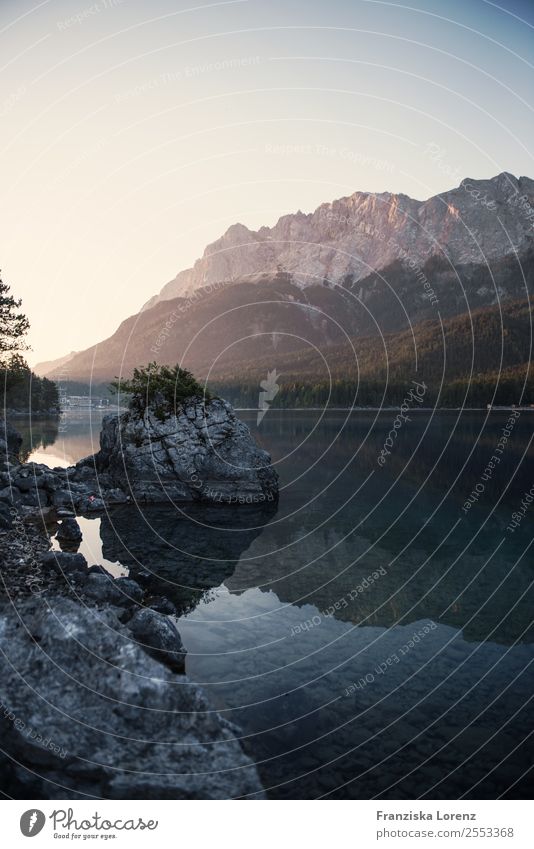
point(86, 712)
point(202, 452)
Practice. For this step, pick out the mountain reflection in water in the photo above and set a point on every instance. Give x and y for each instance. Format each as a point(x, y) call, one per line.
point(417, 682)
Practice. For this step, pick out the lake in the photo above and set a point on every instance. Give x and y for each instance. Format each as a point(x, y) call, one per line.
point(371, 635)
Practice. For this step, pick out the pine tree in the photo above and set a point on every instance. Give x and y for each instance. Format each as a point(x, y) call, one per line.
point(13, 324)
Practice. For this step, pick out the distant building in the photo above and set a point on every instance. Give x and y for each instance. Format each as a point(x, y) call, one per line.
point(85, 401)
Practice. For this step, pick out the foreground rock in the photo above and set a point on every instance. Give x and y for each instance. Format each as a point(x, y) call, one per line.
point(91, 702)
point(87, 713)
point(203, 452)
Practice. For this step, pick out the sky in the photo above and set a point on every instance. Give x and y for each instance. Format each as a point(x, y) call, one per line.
point(134, 133)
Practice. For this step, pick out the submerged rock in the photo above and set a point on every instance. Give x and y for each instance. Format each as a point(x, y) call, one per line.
point(203, 452)
point(202, 546)
point(87, 713)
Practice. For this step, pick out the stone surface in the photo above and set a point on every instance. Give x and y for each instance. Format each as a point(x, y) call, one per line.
point(358, 265)
point(87, 713)
point(69, 530)
point(64, 562)
point(130, 588)
point(364, 231)
point(159, 636)
point(201, 453)
point(103, 589)
point(6, 519)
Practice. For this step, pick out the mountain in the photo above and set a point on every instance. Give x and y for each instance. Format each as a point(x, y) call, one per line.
point(485, 341)
point(391, 265)
point(53, 366)
point(350, 237)
point(264, 318)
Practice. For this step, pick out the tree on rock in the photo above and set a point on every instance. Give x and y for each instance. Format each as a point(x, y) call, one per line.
point(161, 387)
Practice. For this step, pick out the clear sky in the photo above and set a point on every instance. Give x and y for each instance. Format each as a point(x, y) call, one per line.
point(134, 133)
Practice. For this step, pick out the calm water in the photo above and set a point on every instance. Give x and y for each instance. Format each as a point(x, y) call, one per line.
point(368, 636)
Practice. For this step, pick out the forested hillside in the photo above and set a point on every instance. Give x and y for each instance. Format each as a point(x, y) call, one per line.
point(471, 359)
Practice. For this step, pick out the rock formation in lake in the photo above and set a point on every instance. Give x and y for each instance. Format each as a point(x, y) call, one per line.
point(86, 712)
point(199, 452)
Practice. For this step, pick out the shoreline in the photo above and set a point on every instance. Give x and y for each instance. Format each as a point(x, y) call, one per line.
point(386, 409)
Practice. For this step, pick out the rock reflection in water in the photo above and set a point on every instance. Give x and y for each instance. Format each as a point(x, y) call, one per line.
point(181, 553)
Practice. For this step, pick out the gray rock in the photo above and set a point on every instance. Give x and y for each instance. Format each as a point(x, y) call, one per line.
point(35, 498)
point(92, 505)
point(65, 513)
point(64, 561)
point(102, 589)
point(64, 498)
point(203, 452)
point(159, 636)
point(130, 588)
point(6, 519)
point(52, 482)
point(24, 483)
point(161, 605)
point(116, 496)
point(87, 713)
point(69, 530)
point(10, 494)
point(339, 240)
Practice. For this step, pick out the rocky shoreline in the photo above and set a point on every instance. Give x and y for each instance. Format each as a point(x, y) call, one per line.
point(201, 453)
point(93, 646)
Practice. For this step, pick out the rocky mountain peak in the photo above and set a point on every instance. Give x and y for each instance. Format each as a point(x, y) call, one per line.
point(347, 238)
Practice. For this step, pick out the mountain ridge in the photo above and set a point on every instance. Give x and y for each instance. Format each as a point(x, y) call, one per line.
point(364, 229)
point(275, 309)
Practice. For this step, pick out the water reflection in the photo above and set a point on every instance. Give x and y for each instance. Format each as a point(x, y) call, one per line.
point(319, 665)
point(45, 441)
point(90, 546)
point(435, 716)
point(181, 552)
point(37, 436)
